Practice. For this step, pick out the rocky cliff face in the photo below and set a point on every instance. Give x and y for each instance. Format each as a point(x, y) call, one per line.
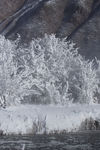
point(9, 7)
point(78, 20)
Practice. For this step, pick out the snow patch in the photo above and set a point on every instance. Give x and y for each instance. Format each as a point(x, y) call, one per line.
point(51, 2)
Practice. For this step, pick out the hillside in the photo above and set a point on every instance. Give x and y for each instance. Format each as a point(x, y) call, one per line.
point(78, 20)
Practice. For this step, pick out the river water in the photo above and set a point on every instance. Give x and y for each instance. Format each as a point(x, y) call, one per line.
point(70, 141)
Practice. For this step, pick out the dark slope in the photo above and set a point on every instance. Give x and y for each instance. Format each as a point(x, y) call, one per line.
point(78, 20)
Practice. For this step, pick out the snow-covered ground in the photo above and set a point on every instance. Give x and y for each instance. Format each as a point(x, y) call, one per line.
point(30, 119)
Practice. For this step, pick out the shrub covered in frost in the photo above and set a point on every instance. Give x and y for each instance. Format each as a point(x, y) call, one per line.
point(50, 69)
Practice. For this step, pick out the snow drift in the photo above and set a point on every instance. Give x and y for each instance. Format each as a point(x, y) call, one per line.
point(33, 119)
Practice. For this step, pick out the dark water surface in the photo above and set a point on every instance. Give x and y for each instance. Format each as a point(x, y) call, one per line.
point(70, 141)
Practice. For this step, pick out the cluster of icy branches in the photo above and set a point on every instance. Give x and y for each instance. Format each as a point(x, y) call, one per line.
point(50, 69)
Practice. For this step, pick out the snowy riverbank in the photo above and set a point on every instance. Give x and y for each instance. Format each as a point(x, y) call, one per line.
point(29, 119)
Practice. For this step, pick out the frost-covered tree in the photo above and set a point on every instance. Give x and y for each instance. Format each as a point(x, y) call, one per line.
point(14, 84)
point(65, 74)
point(50, 70)
point(7, 69)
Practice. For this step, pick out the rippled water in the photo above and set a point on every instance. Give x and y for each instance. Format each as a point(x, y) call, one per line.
point(71, 141)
